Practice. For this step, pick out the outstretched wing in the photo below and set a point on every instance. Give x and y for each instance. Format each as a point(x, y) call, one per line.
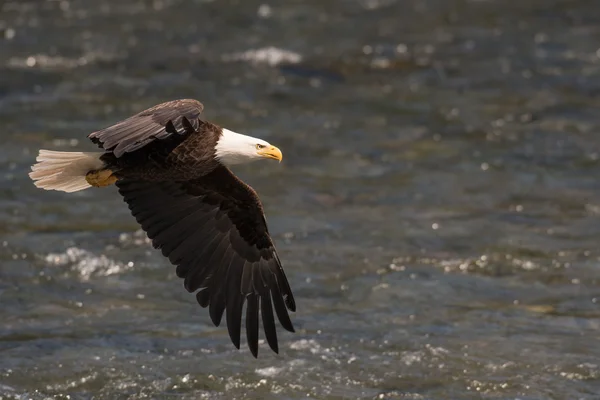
point(213, 229)
point(161, 121)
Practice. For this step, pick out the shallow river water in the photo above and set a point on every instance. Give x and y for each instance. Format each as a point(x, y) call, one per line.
point(437, 210)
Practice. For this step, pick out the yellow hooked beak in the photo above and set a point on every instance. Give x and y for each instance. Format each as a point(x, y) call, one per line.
point(271, 152)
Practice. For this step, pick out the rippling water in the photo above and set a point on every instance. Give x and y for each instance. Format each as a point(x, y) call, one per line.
point(437, 210)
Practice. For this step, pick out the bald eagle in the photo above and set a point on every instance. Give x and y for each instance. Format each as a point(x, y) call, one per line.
point(171, 167)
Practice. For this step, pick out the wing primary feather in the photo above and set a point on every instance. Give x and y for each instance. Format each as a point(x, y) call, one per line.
point(235, 301)
point(284, 285)
point(216, 308)
point(203, 297)
point(246, 286)
point(252, 323)
point(290, 302)
point(218, 300)
point(269, 322)
point(281, 311)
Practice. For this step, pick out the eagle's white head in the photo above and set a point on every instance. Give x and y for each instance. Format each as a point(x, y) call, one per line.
point(234, 148)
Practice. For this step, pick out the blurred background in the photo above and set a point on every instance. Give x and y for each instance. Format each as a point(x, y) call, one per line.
point(437, 209)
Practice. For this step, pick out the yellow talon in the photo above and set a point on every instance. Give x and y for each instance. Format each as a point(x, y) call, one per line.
point(100, 178)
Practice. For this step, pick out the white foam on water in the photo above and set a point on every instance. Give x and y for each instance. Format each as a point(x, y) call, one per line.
point(87, 264)
point(310, 345)
point(269, 371)
point(45, 61)
point(272, 56)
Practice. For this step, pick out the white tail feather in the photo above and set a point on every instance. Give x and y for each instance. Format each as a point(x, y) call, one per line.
point(64, 170)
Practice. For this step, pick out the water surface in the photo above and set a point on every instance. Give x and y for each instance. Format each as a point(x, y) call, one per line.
point(437, 211)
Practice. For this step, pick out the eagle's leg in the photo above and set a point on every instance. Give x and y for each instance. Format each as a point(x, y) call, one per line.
point(100, 178)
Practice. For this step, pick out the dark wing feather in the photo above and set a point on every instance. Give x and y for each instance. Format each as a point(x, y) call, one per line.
point(177, 117)
point(213, 229)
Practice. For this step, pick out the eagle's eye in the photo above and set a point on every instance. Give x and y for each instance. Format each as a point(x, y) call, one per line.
point(260, 146)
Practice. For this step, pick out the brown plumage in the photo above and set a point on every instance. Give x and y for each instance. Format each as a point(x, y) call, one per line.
point(205, 220)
